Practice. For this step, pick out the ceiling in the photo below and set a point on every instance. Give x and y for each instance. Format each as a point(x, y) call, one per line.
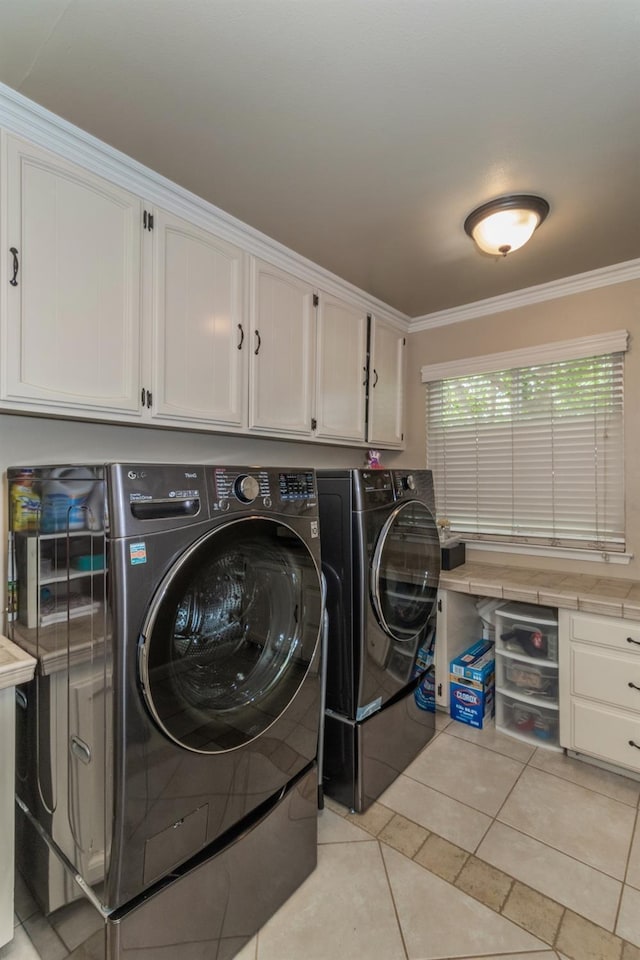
point(360, 133)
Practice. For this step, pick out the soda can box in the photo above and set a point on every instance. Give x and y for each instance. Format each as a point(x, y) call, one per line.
point(472, 685)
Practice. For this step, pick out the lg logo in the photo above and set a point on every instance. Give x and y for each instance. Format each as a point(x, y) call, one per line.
point(133, 475)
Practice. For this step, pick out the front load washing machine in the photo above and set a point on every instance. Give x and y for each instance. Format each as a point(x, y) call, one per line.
point(381, 560)
point(167, 747)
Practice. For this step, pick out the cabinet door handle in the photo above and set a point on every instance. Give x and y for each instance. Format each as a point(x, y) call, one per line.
point(241, 336)
point(258, 343)
point(143, 397)
point(375, 373)
point(14, 278)
point(631, 640)
point(633, 744)
point(366, 377)
point(635, 687)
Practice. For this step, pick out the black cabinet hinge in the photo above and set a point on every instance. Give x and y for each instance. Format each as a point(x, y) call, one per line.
point(314, 424)
point(439, 606)
point(147, 220)
point(316, 299)
point(439, 689)
point(404, 341)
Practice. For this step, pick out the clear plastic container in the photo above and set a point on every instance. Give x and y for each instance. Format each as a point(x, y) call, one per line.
point(528, 631)
point(524, 678)
point(537, 724)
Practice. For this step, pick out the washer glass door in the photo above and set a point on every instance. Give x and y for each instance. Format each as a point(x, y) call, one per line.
point(231, 635)
point(405, 571)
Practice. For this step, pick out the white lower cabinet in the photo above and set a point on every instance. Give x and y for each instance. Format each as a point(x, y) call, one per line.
point(600, 701)
point(458, 626)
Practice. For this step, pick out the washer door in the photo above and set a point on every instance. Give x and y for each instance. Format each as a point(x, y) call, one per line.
point(405, 571)
point(231, 634)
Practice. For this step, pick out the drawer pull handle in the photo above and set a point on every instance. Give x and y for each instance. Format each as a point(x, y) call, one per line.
point(633, 744)
point(631, 640)
point(634, 685)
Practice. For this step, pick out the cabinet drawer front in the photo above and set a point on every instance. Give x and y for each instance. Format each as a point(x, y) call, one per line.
point(607, 631)
point(606, 734)
point(604, 676)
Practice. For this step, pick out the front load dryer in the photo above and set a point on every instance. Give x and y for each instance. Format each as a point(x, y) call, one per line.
point(381, 560)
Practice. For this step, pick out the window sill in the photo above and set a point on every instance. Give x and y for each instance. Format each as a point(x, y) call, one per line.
point(562, 553)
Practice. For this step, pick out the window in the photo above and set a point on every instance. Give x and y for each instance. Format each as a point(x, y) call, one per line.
point(532, 453)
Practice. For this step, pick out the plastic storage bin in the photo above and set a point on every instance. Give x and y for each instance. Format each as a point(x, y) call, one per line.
point(522, 678)
point(527, 673)
point(535, 724)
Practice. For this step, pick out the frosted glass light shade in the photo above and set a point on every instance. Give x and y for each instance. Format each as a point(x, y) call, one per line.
point(504, 225)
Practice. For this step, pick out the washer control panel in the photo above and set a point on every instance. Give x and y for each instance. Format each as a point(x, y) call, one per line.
point(287, 491)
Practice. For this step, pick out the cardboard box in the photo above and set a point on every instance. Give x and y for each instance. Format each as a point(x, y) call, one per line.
point(472, 685)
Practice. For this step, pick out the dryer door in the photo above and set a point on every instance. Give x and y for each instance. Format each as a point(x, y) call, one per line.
point(405, 571)
point(231, 635)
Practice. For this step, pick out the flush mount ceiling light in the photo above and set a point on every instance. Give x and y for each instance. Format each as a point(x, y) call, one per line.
point(504, 225)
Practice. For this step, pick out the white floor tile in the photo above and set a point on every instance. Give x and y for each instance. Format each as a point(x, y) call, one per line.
point(633, 869)
point(250, 952)
point(586, 825)
point(475, 776)
point(343, 910)
point(438, 921)
point(576, 885)
point(333, 828)
point(20, 948)
point(492, 739)
point(447, 817)
point(538, 955)
point(629, 917)
point(587, 775)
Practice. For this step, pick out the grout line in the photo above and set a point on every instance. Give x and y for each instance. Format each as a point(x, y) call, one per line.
point(393, 900)
point(514, 880)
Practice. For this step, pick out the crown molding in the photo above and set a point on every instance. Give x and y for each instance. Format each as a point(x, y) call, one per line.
point(603, 277)
point(25, 118)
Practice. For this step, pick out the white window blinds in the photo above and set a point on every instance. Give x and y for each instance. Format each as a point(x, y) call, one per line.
point(532, 454)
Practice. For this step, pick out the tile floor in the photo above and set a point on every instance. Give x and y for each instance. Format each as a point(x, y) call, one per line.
point(483, 848)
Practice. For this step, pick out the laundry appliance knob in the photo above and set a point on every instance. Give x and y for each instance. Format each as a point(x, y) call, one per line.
point(409, 482)
point(246, 488)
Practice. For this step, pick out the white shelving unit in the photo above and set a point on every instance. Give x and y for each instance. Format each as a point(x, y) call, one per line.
point(527, 674)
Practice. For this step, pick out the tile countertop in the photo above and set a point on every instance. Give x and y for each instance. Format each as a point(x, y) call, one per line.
point(550, 588)
point(16, 666)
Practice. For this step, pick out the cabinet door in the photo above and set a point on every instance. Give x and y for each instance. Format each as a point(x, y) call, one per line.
point(72, 335)
point(458, 626)
point(386, 383)
point(200, 335)
point(341, 369)
point(282, 352)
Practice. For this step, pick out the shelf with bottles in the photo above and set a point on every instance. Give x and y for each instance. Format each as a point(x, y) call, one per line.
point(59, 576)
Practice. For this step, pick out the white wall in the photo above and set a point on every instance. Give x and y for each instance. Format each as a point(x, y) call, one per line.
point(607, 308)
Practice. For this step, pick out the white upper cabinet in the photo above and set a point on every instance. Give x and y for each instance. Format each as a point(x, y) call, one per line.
point(200, 336)
point(282, 348)
point(341, 370)
point(71, 279)
point(386, 384)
